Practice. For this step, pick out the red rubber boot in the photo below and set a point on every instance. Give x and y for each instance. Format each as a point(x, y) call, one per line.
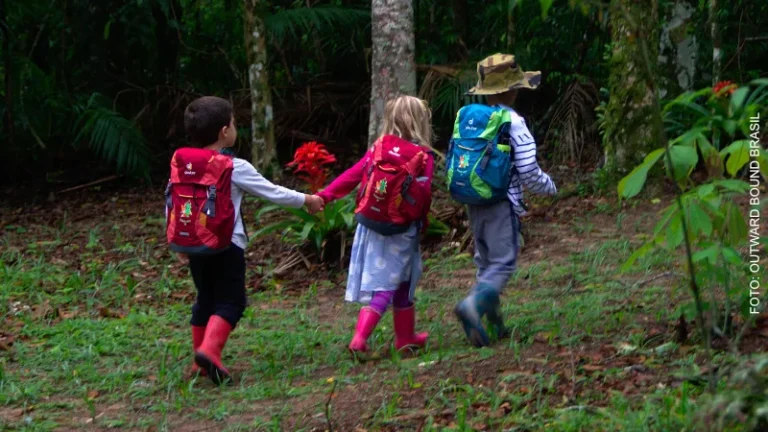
point(208, 356)
point(405, 324)
point(198, 335)
point(366, 323)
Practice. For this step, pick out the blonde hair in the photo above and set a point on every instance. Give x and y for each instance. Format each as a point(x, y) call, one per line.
point(409, 118)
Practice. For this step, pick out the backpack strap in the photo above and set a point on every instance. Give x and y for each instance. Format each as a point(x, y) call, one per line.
point(413, 167)
point(168, 200)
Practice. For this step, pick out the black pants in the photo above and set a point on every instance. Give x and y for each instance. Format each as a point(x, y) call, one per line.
point(220, 283)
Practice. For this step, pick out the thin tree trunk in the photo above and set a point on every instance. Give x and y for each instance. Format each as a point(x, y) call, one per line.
point(717, 54)
point(630, 131)
point(393, 71)
point(8, 72)
point(262, 124)
point(511, 27)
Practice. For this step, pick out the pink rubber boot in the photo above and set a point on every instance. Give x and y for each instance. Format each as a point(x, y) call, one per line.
point(366, 323)
point(198, 335)
point(405, 324)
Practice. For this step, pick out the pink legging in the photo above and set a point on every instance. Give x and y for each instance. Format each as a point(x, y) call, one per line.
point(400, 298)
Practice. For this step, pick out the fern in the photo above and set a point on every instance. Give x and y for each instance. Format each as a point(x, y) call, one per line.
point(114, 138)
point(326, 20)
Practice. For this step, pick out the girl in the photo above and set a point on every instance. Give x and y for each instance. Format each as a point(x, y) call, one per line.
point(384, 269)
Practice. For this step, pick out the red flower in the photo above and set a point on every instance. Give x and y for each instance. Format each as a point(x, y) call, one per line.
point(724, 88)
point(309, 160)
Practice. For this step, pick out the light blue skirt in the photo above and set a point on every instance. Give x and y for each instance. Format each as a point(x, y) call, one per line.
point(382, 263)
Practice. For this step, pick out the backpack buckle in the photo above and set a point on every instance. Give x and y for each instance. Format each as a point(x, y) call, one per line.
point(486, 155)
point(209, 208)
point(407, 184)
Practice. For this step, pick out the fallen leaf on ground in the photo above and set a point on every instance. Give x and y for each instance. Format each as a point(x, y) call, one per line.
point(593, 367)
point(109, 313)
point(64, 314)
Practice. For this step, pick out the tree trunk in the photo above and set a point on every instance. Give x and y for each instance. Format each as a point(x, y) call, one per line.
point(677, 50)
point(8, 73)
point(717, 55)
point(629, 126)
point(393, 71)
point(262, 124)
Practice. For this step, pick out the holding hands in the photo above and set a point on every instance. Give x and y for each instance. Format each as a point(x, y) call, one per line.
point(314, 203)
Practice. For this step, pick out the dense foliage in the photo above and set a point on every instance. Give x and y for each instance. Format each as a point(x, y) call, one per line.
point(87, 81)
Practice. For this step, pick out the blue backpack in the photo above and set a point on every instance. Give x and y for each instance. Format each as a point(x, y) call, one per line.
point(478, 163)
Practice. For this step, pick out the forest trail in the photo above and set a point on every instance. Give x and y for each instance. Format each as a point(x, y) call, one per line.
point(95, 333)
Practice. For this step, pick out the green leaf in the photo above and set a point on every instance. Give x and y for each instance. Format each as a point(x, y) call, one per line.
point(639, 253)
point(301, 214)
point(349, 219)
point(737, 98)
point(699, 219)
point(267, 209)
point(710, 254)
point(633, 183)
point(738, 153)
point(667, 215)
point(732, 256)
point(684, 160)
point(705, 189)
point(545, 6)
point(675, 232)
point(735, 224)
point(106, 29)
point(734, 185)
point(306, 230)
point(272, 228)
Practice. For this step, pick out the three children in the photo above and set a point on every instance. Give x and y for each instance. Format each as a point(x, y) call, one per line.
point(492, 155)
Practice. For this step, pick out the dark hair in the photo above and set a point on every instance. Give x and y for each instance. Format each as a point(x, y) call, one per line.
point(204, 118)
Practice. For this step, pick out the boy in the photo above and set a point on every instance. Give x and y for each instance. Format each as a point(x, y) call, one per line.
point(220, 278)
point(496, 226)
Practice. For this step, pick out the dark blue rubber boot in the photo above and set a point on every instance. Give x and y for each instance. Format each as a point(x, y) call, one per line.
point(471, 310)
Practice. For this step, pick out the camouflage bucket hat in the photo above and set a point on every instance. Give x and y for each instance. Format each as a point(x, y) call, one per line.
point(500, 73)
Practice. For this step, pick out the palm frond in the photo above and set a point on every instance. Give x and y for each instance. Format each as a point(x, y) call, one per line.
point(114, 138)
point(573, 124)
point(445, 88)
point(328, 19)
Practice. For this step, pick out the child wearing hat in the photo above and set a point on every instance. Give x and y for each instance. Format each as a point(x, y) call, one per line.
point(502, 163)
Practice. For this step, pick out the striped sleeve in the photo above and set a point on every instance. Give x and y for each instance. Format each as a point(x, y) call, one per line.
point(531, 176)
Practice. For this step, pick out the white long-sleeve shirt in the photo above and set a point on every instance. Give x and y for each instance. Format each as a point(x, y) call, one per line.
point(528, 173)
point(245, 178)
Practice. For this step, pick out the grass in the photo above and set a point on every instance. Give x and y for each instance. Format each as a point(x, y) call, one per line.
point(99, 318)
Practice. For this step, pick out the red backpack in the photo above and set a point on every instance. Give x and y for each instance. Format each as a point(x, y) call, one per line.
point(200, 215)
point(390, 198)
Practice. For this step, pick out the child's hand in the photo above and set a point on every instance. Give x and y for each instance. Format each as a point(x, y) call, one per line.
point(314, 203)
point(182, 258)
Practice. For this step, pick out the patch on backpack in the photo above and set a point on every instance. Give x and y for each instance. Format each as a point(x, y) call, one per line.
point(186, 209)
point(463, 161)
